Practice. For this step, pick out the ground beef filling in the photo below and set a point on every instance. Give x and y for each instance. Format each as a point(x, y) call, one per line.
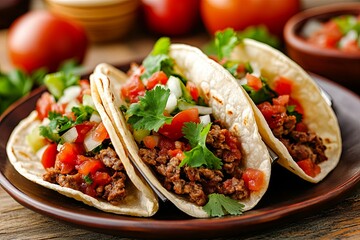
point(197, 183)
point(302, 144)
point(113, 192)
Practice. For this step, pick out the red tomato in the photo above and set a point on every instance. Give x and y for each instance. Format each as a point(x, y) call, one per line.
point(283, 86)
point(100, 133)
point(40, 39)
point(193, 90)
point(239, 14)
point(49, 156)
point(174, 129)
point(157, 78)
point(82, 129)
point(281, 100)
point(254, 179)
point(171, 17)
point(90, 166)
point(69, 152)
point(253, 82)
point(132, 89)
point(328, 36)
point(44, 105)
point(309, 167)
point(100, 178)
point(151, 141)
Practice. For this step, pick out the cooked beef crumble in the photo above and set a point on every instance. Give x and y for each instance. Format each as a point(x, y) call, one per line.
point(112, 192)
point(197, 183)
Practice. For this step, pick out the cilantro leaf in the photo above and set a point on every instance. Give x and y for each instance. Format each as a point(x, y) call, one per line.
point(161, 46)
point(290, 110)
point(225, 42)
point(199, 154)
point(58, 125)
point(347, 23)
point(265, 93)
point(49, 133)
point(82, 113)
point(148, 113)
point(220, 205)
point(261, 34)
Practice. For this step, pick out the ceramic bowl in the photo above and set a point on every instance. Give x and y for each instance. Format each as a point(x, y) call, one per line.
point(342, 67)
point(104, 20)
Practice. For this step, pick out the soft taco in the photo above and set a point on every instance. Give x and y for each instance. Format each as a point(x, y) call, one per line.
point(189, 128)
point(68, 144)
point(293, 117)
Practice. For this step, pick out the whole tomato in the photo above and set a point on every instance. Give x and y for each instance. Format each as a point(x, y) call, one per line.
point(171, 17)
point(239, 14)
point(40, 39)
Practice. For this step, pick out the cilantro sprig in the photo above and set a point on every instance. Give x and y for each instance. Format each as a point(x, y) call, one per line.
point(148, 113)
point(265, 93)
point(199, 154)
point(220, 205)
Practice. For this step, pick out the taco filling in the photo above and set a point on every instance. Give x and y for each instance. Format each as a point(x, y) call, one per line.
point(283, 113)
point(74, 144)
point(192, 154)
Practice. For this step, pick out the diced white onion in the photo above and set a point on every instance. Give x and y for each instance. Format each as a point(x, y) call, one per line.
point(95, 117)
point(88, 101)
point(59, 146)
point(310, 28)
point(205, 119)
point(89, 142)
point(173, 84)
point(71, 104)
point(70, 94)
point(242, 81)
point(171, 103)
point(202, 110)
point(256, 70)
point(70, 135)
point(349, 37)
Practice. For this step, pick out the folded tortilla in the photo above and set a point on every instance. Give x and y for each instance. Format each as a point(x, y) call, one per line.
point(229, 105)
point(140, 199)
point(318, 115)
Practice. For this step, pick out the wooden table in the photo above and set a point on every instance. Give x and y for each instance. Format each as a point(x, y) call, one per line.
point(17, 222)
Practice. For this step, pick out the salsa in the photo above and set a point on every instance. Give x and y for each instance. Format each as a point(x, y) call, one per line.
point(341, 32)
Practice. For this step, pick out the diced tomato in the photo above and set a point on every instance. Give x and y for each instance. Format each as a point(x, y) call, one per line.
point(253, 82)
point(301, 127)
point(44, 105)
point(132, 89)
point(269, 110)
point(85, 89)
point(151, 141)
point(254, 179)
point(282, 85)
point(176, 153)
point(351, 46)
point(328, 36)
point(82, 129)
point(309, 167)
point(49, 156)
point(157, 78)
point(281, 100)
point(100, 178)
point(241, 69)
point(193, 90)
point(69, 151)
point(234, 144)
point(298, 106)
point(174, 129)
point(100, 133)
point(90, 166)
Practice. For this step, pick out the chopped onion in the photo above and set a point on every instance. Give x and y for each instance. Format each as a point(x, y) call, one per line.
point(70, 135)
point(90, 143)
point(95, 117)
point(70, 94)
point(205, 119)
point(310, 28)
point(173, 84)
point(202, 110)
point(349, 37)
point(71, 104)
point(171, 103)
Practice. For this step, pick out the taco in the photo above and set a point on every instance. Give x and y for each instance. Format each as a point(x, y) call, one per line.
point(293, 117)
point(189, 128)
point(68, 144)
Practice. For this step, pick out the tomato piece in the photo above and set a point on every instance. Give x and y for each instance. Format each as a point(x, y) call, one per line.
point(69, 152)
point(100, 178)
point(178, 153)
point(44, 105)
point(82, 129)
point(151, 141)
point(49, 156)
point(283, 86)
point(301, 127)
point(254, 179)
point(282, 100)
point(351, 46)
point(297, 105)
point(309, 167)
point(90, 166)
point(157, 78)
point(193, 90)
point(100, 133)
point(174, 129)
point(132, 89)
point(85, 89)
point(253, 82)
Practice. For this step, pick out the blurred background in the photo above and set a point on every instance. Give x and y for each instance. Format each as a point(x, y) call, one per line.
point(120, 31)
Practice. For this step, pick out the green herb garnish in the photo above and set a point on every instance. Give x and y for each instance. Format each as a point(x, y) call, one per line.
point(220, 205)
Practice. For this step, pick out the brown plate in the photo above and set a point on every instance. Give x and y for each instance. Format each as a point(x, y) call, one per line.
point(288, 196)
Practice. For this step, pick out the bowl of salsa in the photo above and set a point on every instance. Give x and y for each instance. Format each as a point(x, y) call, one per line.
point(326, 40)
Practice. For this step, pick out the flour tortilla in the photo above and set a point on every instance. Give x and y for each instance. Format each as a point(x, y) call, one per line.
point(229, 104)
point(318, 115)
point(140, 200)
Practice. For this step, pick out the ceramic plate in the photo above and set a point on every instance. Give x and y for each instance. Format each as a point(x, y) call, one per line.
point(288, 196)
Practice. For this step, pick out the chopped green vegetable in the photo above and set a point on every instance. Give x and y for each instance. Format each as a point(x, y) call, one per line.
point(57, 82)
point(199, 154)
point(261, 34)
point(265, 93)
point(291, 111)
point(82, 113)
point(161, 46)
point(148, 113)
point(348, 23)
point(225, 42)
point(58, 124)
point(220, 205)
point(88, 179)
